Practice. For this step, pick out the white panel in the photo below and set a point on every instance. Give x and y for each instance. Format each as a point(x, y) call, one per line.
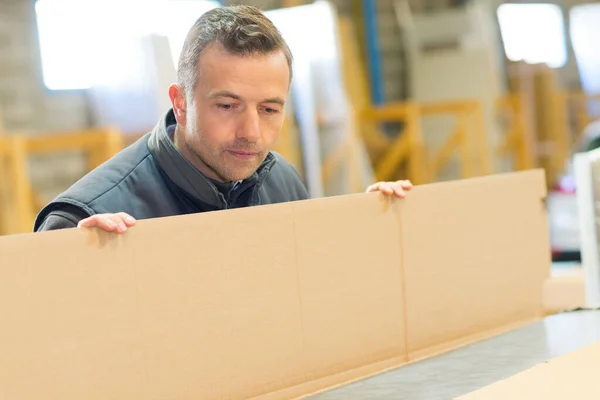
point(586, 182)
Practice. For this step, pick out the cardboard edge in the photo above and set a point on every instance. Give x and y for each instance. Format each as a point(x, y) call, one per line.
point(433, 351)
point(312, 387)
point(362, 373)
point(537, 174)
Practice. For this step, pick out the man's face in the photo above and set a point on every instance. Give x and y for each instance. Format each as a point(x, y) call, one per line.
point(236, 113)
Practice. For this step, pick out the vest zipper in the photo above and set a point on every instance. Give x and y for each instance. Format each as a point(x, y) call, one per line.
point(224, 201)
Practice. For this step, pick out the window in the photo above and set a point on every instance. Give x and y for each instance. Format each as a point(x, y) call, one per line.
point(533, 33)
point(585, 35)
point(83, 41)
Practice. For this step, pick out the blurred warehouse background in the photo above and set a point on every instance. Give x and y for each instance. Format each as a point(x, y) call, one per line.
point(428, 90)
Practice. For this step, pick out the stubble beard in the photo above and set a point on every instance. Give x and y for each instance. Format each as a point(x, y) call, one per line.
point(222, 164)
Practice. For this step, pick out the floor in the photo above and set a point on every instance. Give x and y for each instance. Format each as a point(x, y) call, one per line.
point(472, 367)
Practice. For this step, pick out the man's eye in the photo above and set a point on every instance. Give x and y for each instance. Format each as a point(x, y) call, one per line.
point(225, 106)
point(271, 110)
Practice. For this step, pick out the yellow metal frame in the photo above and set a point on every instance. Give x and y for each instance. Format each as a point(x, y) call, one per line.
point(16, 215)
point(409, 146)
point(99, 144)
point(19, 203)
point(518, 141)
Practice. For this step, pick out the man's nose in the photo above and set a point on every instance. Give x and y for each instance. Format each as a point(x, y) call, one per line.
point(250, 129)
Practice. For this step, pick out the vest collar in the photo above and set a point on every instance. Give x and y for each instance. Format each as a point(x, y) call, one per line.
point(187, 177)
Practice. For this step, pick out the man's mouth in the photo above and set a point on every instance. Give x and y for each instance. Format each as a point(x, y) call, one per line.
point(243, 154)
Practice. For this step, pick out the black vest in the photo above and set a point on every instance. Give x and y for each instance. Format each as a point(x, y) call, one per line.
point(151, 179)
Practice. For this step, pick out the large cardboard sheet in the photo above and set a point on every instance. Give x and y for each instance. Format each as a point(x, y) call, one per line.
point(572, 376)
point(269, 302)
point(475, 257)
point(215, 306)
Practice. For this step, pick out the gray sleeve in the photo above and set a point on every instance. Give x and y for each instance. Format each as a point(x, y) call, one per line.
point(303, 192)
point(67, 217)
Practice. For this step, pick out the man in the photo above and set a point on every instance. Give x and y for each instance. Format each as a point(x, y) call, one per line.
point(211, 150)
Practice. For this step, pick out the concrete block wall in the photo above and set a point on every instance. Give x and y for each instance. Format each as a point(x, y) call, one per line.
point(24, 101)
point(27, 107)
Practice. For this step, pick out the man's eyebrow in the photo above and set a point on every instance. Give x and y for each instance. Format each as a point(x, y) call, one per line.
point(276, 100)
point(225, 93)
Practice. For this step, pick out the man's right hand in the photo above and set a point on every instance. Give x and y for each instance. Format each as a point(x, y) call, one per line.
point(118, 222)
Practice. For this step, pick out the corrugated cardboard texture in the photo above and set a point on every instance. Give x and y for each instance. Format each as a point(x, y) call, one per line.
point(475, 256)
point(572, 376)
point(269, 302)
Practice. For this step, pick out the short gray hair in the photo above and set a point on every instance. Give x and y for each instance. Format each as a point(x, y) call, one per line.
point(242, 30)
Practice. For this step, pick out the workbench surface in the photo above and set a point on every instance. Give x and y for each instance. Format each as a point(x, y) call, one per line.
point(477, 365)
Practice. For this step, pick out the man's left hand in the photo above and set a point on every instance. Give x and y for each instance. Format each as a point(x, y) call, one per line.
point(398, 188)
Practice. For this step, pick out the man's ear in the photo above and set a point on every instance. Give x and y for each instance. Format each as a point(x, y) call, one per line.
point(178, 100)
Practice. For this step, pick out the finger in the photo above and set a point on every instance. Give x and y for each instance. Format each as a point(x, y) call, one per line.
point(116, 222)
point(99, 220)
point(406, 185)
point(106, 223)
point(386, 187)
point(128, 219)
point(399, 193)
point(102, 221)
point(372, 188)
point(376, 187)
point(88, 222)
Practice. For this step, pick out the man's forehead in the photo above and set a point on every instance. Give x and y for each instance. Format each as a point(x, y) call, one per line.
point(216, 58)
point(262, 76)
